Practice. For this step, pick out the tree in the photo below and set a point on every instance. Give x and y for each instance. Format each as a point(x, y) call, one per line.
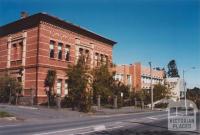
point(9, 86)
point(160, 91)
point(172, 69)
point(103, 81)
point(194, 95)
point(50, 82)
point(77, 84)
point(107, 87)
point(118, 88)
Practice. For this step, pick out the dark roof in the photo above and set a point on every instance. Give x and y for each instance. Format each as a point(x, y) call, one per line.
point(35, 19)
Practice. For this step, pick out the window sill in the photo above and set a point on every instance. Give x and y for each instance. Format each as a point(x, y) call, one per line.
point(52, 58)
point(60, 60)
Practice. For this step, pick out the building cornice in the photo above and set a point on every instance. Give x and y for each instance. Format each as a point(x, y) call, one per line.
point(36, 19)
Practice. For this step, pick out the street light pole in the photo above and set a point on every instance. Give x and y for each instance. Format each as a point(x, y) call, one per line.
point(184, 87)
point(151, 86)
point(184, 83)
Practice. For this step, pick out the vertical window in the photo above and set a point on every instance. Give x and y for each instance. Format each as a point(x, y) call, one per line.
point(106, 59)
point(59, 86)
point(19, 79)
point(122, 77)
point(60, 51)
point(51, 47)
point(87, 55)
point(14, 52)
point(20, 51)
point(96, 59)
point(67, 53)
point(118, 77)
point(101, 58)
point(66, 87)
point(80, 52)
point(129, 79)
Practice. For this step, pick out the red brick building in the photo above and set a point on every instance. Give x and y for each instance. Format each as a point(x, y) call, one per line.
point(137, 76)
point(34, 44)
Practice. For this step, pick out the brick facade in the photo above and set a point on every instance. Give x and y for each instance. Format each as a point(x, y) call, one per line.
point(137, 76)
point(25, 53)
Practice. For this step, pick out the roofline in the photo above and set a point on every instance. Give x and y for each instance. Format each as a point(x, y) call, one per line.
point(35, 19)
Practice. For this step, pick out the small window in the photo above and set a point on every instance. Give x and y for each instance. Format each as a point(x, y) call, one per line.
point(66, 87)
point(60, 51)
point(67, 53)
point(96, 59)
point(51, 47)
point(106, 59)
point(101, 58)
point(14, 45)
point(59, 86)
point(87, 55)
point(80, 52)
point(19, 79)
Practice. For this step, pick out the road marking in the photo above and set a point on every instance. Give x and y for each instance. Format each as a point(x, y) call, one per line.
point(115, 127)
point(60, 131)
point(28, 107)
point(99, 128)
point(8, 126)
point(152, 118)
point(97, 131)
point(116, 115)
point(118, 122)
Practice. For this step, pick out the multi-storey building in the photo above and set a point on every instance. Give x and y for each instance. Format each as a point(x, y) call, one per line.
point(137, 76)
point(29, 47)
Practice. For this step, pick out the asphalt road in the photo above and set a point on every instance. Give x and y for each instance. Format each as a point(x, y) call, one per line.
point(122, 124)
point(155, 127)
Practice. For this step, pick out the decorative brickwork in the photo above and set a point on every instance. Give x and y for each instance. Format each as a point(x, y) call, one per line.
point(28, 54)
point(138, 76)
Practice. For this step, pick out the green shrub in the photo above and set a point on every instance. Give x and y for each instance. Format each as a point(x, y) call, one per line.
point(66, 102)
point(9, 86)
point(161, 105)
point(4, 114)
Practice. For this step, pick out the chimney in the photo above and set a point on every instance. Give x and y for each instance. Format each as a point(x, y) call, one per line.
point(24, 15)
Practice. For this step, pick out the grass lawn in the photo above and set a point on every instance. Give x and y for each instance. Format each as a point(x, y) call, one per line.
point(4, 114)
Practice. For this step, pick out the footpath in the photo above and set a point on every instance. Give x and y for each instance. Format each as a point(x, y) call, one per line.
point(41, 113)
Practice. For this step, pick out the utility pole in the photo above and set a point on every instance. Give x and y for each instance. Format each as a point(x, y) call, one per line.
point(151, 86)
point(184, 87)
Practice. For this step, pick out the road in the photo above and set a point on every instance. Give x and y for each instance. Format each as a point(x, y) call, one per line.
point(122, 124)
point(154, 127)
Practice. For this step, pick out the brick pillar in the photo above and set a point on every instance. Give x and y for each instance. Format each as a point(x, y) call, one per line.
point(56, 50)
point(92, 55)
point(24, 49)
point(63, 52)
point(72, 53)
point(9, 52)
point(24, 59)
point(76, 54)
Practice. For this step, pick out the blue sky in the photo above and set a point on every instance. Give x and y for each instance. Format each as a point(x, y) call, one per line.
point(146, 30)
